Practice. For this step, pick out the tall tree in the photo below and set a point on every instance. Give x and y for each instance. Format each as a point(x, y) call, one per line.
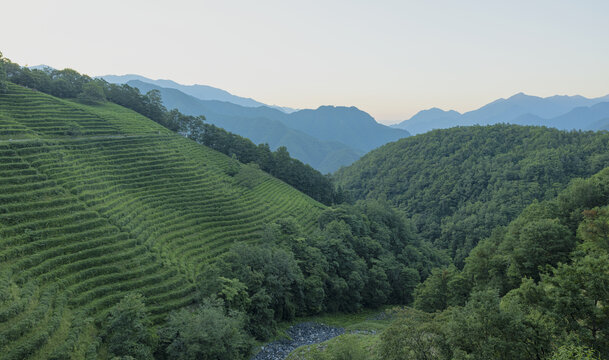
point(127, 329)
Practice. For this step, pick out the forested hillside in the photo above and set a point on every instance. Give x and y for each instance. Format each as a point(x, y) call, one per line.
point(457, 185)
point(536, 289)
point(97, 202)
point(118, 236)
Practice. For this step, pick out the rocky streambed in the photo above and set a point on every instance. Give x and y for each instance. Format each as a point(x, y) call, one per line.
point(300, 334)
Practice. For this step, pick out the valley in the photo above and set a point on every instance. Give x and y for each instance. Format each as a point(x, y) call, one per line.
point(145, 219)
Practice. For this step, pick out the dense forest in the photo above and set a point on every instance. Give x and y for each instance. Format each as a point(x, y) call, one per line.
point(363, 255)
point(535, 289)
point(457, 185)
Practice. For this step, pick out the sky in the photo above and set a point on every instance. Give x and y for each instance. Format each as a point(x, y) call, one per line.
point(388, 58)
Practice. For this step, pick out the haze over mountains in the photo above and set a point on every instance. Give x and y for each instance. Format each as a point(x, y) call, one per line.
point(562, 112)
point(326, 138)
point(330, 137)
point(203, 92)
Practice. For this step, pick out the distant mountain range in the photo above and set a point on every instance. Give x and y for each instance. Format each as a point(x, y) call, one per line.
point(326, 138)
point(202, 92)
point(562, 112)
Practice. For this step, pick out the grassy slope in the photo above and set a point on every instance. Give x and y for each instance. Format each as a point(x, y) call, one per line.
point(98, 201)
point(362, 330)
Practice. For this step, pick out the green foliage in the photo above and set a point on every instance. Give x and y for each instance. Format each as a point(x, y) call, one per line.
point(544, 234)
point(574, 352)
point(3, 81)
point(414, 335)
point(594, 230)
point(578, 294)
point(121, 206)
point(273, 281)
point(206, 333)
point(539, 243)
point(127, 329)
point(347, 265)
point(277, 163)
point(551, 267)
point(345, 348)
point(459, 184)
point(483, 330)
point(443, 288)
point(92, 93)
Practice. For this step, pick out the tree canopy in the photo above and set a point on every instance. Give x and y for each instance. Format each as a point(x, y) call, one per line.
point(459, 184)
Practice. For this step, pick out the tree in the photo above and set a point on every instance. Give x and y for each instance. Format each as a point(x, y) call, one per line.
point(574, 352)
point(483, 330)
point(273, 280)
point(594, 230)
point(205, 333)
point(3, 79)
point(444, 288)
point(127, 329)
point(578, 294)
point(540, 242)
point(92, 93)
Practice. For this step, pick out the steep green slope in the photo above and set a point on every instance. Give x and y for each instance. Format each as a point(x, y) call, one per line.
point(459, 184)
point(534, 289)
point(98, 201)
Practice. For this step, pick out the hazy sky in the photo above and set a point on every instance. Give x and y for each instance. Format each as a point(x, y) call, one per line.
point(389, 58)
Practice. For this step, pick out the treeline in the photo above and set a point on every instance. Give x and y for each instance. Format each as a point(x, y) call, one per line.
point(459, 184)
point(536, 289)
point(363, 255)
point(70, 84)
point(277, 163)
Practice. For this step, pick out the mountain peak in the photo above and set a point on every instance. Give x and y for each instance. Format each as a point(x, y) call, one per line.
point(520, 96)
point(436, 111)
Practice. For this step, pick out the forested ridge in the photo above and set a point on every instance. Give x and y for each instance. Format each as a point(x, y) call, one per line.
point(535, 289)
point(457, 185)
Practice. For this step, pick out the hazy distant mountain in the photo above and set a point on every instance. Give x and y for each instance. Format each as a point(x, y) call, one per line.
point(348, 125)
point(519, 109)
point(585, 118)
point(325, 138)
point(261, 125)
point(430, 119)
point(202, 92)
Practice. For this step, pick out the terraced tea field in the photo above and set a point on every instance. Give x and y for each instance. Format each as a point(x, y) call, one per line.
point(97, 202)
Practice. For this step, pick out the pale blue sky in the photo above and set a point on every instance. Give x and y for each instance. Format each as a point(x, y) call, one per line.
point(389, 58)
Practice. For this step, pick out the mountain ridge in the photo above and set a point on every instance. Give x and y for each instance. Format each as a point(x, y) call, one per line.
point(203, 92)
point(326, 138)
point(260, 128)
point(520, 108)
